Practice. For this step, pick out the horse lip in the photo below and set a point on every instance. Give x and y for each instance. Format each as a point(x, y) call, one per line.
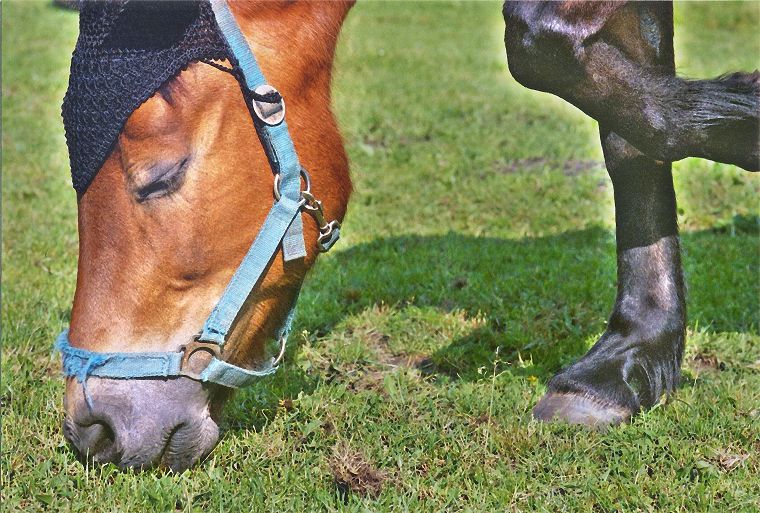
point(179, 449)
point(128, 427)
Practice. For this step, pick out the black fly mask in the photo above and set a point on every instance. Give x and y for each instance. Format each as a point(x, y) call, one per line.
point(126, 50)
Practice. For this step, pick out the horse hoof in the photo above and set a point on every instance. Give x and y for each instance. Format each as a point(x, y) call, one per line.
point(578, 409)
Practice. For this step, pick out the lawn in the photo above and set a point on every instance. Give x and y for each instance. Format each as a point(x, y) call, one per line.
point(477, 259)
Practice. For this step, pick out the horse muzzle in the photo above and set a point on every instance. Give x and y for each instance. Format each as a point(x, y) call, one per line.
point(142, 423)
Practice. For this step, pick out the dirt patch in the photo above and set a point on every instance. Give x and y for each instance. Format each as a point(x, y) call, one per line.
point(379, 342)
point(373, 142)
point(373, 378)
point(526, 164)
point(460, 282)
point(374, 338)
point(571, 167)
point(354, 474)
point(578, 167)
point(352, 295)
point(410, 361)
point(729, 462)
point(369, 374)
point(414, 139)
point(367, 380)
point(706, 362)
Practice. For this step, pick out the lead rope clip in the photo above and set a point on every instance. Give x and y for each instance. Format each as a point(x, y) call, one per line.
point(329, 231)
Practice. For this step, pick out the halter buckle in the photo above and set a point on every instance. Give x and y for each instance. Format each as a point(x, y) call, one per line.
point(197, 355)
point(268, 105)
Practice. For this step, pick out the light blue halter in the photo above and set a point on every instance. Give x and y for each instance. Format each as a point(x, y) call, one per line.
point(201, 359)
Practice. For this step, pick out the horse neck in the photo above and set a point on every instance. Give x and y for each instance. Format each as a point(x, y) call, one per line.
point(294, 42)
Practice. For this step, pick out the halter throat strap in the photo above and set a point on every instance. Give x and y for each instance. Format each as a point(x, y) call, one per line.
point(201, 359)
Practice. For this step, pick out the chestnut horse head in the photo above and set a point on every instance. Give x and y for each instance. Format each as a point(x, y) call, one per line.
point(168, 218)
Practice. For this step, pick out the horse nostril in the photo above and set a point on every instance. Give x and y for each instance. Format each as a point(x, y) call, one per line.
point(100, 437)
point(96, 440)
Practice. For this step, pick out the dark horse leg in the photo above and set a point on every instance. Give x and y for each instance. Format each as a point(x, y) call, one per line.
point(607, 59)
point(638, 358)
point(611, 54)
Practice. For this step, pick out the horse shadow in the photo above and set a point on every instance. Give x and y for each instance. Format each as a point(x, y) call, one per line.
point(542, 299)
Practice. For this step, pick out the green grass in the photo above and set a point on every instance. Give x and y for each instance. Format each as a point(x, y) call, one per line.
point(480, 239)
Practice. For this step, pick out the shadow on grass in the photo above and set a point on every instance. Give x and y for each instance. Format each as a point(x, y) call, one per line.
point(544, 299)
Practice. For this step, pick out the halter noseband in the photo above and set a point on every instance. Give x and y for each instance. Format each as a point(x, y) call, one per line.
point(201, 359)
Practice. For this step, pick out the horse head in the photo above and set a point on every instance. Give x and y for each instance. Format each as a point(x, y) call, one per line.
point(166, 221)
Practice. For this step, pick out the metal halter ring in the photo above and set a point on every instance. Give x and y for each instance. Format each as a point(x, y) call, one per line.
point(306, 179)
point(187, 367)
point(268, 105)
point(283, 343)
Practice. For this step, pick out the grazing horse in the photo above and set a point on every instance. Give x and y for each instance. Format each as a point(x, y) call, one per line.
point(169, 215)
point(614, 61)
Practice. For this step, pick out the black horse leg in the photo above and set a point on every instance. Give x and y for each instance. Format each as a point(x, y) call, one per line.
point(601, 57)
point(638, 358)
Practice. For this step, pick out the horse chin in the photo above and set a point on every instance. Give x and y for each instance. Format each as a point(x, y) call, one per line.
point(143, 423)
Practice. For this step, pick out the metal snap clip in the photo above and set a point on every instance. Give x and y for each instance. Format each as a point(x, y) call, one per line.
point(268, 105)
point(328, 231)
point(328, 236)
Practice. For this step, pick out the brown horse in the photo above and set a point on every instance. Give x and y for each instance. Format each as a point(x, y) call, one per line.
point(168, 218)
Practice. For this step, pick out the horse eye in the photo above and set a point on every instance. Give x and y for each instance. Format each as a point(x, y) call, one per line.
point(160, 180)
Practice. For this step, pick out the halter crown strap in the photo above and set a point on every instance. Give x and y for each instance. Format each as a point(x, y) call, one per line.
point(283, 226)
point(283, 223)
point(278, 144)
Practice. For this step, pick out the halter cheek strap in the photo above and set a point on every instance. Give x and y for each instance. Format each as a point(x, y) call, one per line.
point(201, 359)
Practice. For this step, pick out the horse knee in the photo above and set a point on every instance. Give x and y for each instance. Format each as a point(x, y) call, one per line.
point(538, 56)
point(520, 54)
